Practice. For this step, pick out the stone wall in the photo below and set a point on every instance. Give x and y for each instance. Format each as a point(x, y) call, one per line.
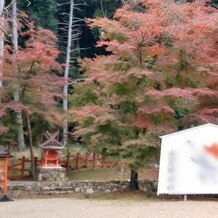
point(24, 189)
point(51, 174)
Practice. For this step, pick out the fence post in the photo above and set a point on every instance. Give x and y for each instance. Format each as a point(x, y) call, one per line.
point(35, 161)
point(94, 159)
point(87, 160)
point(67, 162)
point(23, 160)
point(101, 160)
point(77, 161)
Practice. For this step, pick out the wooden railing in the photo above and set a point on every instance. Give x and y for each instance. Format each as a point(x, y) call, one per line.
point(87, 160)
point(22, 167)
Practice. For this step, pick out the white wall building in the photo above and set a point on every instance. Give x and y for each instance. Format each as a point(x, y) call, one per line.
point(189, 161)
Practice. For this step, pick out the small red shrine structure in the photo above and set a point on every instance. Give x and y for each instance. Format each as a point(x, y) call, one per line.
point(4, 157)
point(51, 151)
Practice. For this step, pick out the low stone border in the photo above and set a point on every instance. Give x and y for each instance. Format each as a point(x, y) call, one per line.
point(25, 189)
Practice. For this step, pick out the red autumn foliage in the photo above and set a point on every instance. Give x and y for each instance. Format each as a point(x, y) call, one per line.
point(175, 41)
point(33, 72)
point(160, 74)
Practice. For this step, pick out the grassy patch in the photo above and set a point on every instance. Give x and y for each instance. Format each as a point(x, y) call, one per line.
point(110, 174)
point(98, 174)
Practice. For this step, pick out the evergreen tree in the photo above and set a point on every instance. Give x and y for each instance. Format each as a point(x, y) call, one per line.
point(43, 12)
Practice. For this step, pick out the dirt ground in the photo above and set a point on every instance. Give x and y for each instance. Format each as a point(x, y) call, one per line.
point(89, 208)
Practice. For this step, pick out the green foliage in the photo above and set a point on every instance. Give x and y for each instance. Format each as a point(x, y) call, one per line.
point(122, 66)
point(144, 155)
point(214, 3)
point(43, 12)
point(122, 89)
point(9, 138)
point(180, 112)
point(105, 7)
point(116, 36)
point(83, 96)
point(128, 107)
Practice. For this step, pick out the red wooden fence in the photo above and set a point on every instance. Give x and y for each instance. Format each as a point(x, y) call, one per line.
point(21, 169)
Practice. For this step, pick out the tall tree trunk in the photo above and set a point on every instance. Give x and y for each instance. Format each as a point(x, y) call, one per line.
point(2, 3)
point(102, 8)
point(134, 180)
point(33, 169)
point(19, 119)
point(66, 74)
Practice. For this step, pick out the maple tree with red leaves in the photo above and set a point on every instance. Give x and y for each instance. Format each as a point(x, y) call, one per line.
point(33, 72)
point(160, 74)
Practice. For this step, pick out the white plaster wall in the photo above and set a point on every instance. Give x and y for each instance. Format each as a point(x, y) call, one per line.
point(185, 167)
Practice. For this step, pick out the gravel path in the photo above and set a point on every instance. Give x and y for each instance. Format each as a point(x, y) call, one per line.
point(69, 207)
